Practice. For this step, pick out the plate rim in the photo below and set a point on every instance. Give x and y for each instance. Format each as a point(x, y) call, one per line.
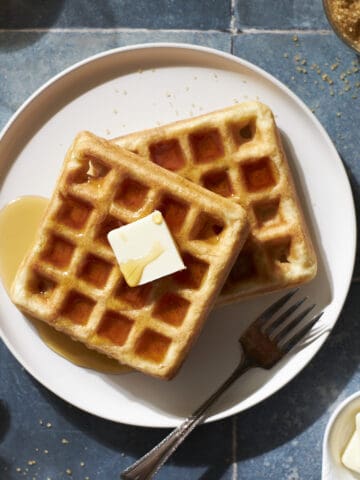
point(321, 129)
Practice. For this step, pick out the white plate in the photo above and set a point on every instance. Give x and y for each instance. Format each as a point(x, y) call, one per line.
point(132, 88)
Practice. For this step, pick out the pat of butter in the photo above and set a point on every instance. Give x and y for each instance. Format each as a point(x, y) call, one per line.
point(351, 455)
point(145, 250)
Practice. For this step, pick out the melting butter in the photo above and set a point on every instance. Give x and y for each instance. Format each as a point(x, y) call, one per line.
point(20, 220)
point(133, 269)
point(157, 218)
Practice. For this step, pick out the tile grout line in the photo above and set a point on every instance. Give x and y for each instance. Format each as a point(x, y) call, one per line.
point(234, 449)
point(298, 31)
point(232, 30)
point(232, 25)
point(105, 30)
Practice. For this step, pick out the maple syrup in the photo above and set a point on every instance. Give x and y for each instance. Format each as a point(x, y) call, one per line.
point(19, 221)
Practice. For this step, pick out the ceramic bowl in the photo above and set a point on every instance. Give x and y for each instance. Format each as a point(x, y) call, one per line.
point(337, 434)
point(339, 33)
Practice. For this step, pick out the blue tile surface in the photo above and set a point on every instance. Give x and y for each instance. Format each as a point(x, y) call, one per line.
point(281, 14)
point(42, 437)
point(189, 14)
point(325, 74)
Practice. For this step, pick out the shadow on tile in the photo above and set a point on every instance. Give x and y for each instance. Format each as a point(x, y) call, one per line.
point(4, 420)
point(4, 427)
point(4, 470)
point(17, 14)
point(201, 449)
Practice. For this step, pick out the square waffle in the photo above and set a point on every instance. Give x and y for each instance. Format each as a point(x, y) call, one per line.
point(237, 153)
point(71, 280)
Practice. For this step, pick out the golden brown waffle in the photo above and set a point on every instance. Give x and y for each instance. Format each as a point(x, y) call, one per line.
point(236, 152)
point(71, 280)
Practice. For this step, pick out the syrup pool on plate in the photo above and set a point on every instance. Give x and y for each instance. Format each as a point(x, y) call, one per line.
point(19, 221)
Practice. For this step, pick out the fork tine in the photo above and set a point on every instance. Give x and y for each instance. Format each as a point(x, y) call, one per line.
point(274, 307)
point(268, 329)
point(291, 325)
point(289, 344)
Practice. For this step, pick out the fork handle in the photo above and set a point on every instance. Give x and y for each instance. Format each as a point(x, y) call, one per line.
point(148, 465)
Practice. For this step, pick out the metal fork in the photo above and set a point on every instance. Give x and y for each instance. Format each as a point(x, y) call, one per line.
point(264, 343)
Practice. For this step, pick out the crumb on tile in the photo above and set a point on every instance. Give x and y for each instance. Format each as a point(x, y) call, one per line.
point(327, 79)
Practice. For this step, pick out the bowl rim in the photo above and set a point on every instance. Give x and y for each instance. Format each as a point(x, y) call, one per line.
point(337, 411)
point(337, 30)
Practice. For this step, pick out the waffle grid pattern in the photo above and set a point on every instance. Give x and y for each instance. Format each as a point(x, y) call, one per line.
point(72, 281)
point(237, 153)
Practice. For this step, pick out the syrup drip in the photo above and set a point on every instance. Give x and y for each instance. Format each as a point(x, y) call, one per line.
point(133, 269)
point(19, 221)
